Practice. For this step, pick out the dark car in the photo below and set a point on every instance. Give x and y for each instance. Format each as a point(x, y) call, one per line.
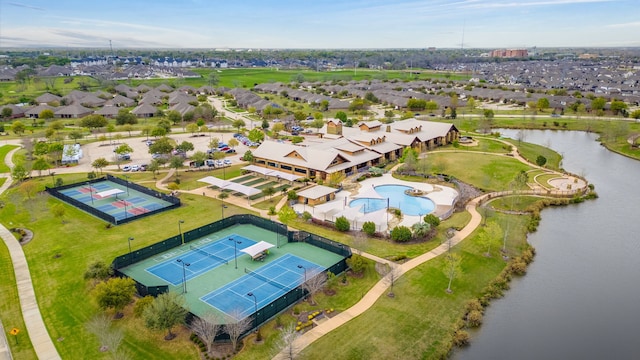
point(231, 151)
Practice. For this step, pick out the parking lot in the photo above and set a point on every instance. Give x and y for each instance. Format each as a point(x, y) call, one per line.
point(140, 155)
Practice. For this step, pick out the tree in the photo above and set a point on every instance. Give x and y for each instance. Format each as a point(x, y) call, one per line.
point(99, 164)
point(317, 124)
point(256, 135)
point(6, 112)
point(543, 103)
point(238, 124)
point(109, 339)
point(115, 293)
point(268, 191)
point(76, 135)
point(409, 154)
point(233, 142)
point(176, 162)
point(277, 127)
point(192, 128)
point(40, 164)
point(213, 79)
point(598, 103)
point(488, 114)
point(248, 156)
point(342, 224)
point(235, 326)
point(18, 127)
point(93, 121)
point(341, 115)
point(451, 267)
point(58, 211)
point(45, 114)
point(122, 150)
point(185, 146)
point(28, 188)
point(161, 146)
point(287, 342)
point(490, 236)
point(286, 214)
point(154, 166)
point(400, 234)
point(126, 117)
point(174, 116)
point(165, 312)
point(541, 160)
point(98, 270)
point(392, 273)
point(315, 281)
point(635, 114)
point(19, 172)
point(207, 328)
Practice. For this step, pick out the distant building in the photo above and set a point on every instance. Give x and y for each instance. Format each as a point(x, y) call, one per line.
point(510, 53)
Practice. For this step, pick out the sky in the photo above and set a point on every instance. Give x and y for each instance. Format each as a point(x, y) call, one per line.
point(319, 24)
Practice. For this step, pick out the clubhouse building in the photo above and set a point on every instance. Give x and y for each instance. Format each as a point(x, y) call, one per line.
point(338, 150)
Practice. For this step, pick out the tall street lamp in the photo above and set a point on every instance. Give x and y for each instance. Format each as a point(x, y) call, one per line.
point(90, 192)
point(130, 239)
point(184, 275)
point(305, 272)
point(255, 314)
point(180, 230)
point(235, 250)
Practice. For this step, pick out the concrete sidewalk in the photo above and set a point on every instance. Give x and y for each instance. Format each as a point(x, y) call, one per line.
point(381, 286)
point(40, 339)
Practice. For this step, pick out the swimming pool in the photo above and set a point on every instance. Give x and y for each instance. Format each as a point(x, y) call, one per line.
point(409, 205)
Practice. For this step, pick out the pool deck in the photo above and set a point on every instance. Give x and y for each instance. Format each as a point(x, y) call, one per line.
point(442, 196)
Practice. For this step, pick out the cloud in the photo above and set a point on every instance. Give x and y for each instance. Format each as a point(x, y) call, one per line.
point(497, 5)
point(624, 25)
point(25, 6)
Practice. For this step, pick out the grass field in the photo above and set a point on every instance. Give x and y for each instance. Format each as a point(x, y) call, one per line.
point(4, 150)
point(417, 323)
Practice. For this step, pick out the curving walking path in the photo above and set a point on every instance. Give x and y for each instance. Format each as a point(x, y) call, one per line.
point(37, 331)
point(381, 286)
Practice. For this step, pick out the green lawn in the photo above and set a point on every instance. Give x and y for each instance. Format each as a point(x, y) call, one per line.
point(514, 203)
point(417, 323)
point(4, 150)
point(531, 152)
point(10, 309)
point(63, 294)
point(487, 171)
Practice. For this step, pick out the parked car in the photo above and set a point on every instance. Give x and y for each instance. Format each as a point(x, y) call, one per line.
point(227, 162)
point(144, 167)
point(126, 168)
point(210, 163)
point(124, 157)
point(135, 167)
point(219, 163)
point(231, 151)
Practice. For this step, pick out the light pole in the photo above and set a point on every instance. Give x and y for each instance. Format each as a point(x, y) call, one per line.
point(180, 230)
point(130, 238)
point(125, 208)
point(235, 250)
point(90, 192)
point(255, 314)
point(126, 177)
point(305, 272)
point(184, 275)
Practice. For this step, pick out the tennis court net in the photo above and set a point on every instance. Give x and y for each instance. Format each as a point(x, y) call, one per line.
point(203, 252)
point(260, 277)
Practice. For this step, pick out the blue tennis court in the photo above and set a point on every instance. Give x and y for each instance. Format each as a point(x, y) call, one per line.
point(202, 257)
point(119, 201)
point(266, 283)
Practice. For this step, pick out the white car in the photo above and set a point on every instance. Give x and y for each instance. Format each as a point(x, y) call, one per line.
point(227, 162)
point(219, 163)
point(126, 168)
point(135, 168)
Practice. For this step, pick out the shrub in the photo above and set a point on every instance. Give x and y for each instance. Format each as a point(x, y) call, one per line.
point(432, 220)
point(518, 267)
point(474, 305)
point(356, 263)
point(461, 338)
point(306, 216)
point(474, 318)
point(401, 234)
point(369, 228)
point(342, 224)
point(98, 270)
point(142, 304)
